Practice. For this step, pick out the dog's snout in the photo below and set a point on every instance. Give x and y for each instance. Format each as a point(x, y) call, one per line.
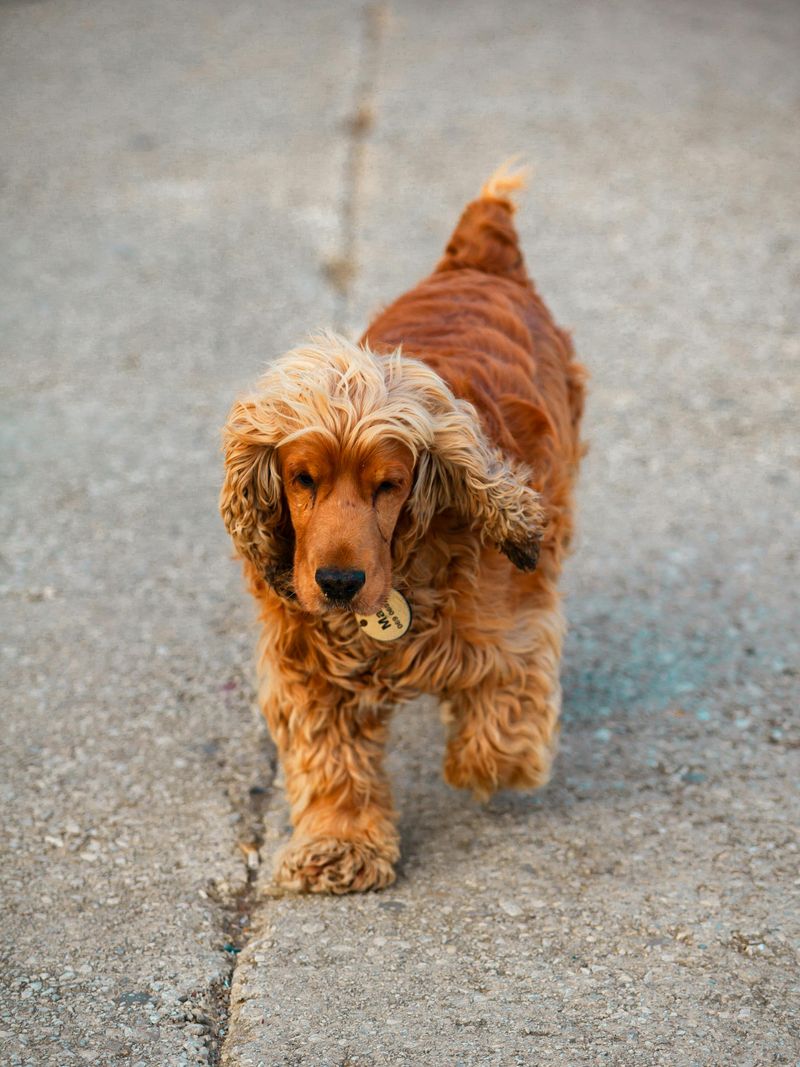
point(339, 585)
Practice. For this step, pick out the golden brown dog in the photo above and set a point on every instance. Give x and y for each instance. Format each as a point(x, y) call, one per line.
point(436, 457)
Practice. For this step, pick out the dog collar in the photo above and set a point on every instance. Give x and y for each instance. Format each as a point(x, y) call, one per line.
point(392, 621)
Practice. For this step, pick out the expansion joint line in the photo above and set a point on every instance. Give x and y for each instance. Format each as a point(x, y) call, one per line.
point(342, 268)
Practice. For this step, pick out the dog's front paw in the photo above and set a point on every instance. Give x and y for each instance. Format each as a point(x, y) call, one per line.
point(329, 865)
point(484, 766)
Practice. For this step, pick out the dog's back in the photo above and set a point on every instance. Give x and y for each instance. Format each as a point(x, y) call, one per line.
point(480, 324)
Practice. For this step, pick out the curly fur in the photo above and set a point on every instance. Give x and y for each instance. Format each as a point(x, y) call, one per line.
point(469, 377)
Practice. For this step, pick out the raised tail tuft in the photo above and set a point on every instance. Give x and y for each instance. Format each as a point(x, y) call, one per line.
point(485, 238)
point(509, 178)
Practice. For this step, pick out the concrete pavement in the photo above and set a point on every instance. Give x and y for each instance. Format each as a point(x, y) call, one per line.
point(161, 187)
point(188, 189)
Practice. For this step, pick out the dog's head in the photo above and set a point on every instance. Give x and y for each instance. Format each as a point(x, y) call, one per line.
point(337, 465)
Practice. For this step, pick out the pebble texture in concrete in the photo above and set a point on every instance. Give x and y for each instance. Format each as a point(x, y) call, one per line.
point(188, 189)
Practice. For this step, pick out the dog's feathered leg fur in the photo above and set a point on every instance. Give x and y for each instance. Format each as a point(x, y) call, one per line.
point(331, 744)
point(504, 729)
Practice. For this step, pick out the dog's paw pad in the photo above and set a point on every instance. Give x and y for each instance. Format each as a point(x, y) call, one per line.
point(329, 865)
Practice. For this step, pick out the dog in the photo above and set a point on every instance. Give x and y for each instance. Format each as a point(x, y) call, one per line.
point(403, 507)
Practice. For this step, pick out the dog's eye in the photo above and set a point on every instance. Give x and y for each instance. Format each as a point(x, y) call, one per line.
point(385, 487)
point(304, 479)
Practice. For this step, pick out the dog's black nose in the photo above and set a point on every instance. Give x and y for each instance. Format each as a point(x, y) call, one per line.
point(339, 585)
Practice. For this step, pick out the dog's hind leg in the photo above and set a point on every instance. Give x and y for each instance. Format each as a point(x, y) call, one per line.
point(344, 838)
point(504, 728)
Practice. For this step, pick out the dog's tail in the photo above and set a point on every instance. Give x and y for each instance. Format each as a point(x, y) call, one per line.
point(485, 238)
point(510, 177)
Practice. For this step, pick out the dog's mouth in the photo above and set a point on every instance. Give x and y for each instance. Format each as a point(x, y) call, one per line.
point(337, 605)
point(356, 606)
point(363, 603)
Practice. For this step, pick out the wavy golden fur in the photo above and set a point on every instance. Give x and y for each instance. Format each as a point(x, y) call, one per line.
point(436, 456)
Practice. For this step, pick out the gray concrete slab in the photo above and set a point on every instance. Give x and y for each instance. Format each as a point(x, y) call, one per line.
point(643, 908)
point(171, 187)
point(183, 197)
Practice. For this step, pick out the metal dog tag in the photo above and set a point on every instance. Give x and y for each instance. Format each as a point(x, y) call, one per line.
point(391, 622)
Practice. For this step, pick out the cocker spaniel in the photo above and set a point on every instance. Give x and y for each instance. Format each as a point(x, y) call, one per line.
point(402, 507)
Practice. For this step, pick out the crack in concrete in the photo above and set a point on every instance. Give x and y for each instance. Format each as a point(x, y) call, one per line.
point(238, 904)
point(342, 268)
point(236, 900)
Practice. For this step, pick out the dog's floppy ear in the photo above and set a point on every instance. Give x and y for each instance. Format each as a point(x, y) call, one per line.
point(460, 470)
point(251, 502)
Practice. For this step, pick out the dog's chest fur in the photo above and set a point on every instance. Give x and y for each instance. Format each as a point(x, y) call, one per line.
point(452, 584)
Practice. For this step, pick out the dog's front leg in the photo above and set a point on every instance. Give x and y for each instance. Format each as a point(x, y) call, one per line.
point(504, 728)
point(331, 747)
